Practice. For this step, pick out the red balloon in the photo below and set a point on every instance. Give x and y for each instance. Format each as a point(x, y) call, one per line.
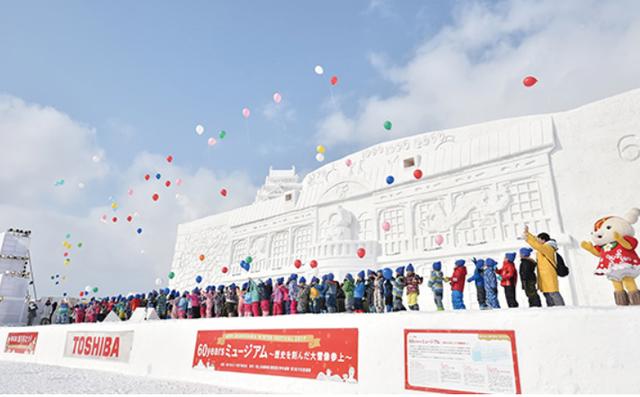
point(297, 263)
point(334, 80)
point(167, 183)
point(417, 173)
point(155, 197)
point(313, 264)
point(223, 192)
point(66, 254)
point(529, 81)
point(81, 293)
point(147, 177)
point(225, 269)
point(114, 219)
point(201, 257)
point(129, 218)
point(169, 159)
point(361, 252)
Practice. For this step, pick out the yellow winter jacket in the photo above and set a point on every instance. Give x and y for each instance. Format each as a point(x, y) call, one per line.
point(546, 257)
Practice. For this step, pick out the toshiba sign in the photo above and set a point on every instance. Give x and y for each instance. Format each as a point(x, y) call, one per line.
point(110, 346)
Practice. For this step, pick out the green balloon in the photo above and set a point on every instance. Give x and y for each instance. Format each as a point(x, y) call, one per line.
point(249, 259)
point(95, 289)
point(223, 133)
point(171, 275)
point(68, 236)
point(387, 125)
point(79, 245)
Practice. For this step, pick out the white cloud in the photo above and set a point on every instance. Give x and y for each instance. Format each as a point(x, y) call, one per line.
point(472, 70)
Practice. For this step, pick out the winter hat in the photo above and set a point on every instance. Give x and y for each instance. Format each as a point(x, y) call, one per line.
point(511, 256)
point(370, 273)
point(324, 277)
point(348, 277)
point(490, 262)
point(302, 280)
point(293, 276)
point(410, 268)
point(268, 282)
point(460, 262)
point(361, 274)
point(220, 288)
point(525, 252)
point(400, 270)
point(330, 277)
point(280, 280)
point(314, 279)
point(437, 265)
point(245, 285)
point(387, 273)
point(233, 286)
point(479, 263)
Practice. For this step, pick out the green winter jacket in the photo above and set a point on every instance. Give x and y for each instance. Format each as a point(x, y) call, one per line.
point(348, 288)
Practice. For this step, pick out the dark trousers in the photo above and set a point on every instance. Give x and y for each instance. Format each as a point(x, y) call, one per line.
point(530, 289)
point(510, 294)
point(232, 309)
point(482, 296)
point(195, 312)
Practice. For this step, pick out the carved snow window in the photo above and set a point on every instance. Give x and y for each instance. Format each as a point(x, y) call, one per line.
point(365, 227)
point(526, 203)
point(301, 240)
point(239, 253)
point(279, 254)
point(396, 236)
point(410, 162)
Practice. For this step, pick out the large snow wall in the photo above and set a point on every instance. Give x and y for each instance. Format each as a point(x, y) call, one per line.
point(555, 350)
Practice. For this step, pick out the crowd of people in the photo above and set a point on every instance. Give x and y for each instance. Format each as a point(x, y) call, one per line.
point(370, 291)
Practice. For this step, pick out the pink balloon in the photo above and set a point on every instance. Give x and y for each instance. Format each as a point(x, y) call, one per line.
point(130, 192)
point(386, 226)
point(103, 218)
point(348, 162)
point(439, 239)
point(277, 98)
point(246, 113)
point(178, 181)
point(212, 141)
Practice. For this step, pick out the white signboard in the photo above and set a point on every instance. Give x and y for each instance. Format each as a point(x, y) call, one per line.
point(110, 346)
point(455, 361)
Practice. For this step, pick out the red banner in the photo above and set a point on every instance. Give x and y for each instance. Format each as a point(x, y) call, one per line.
point(21, 342)
point(325, 354)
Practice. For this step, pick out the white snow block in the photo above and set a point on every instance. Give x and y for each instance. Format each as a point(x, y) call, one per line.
point(111, 317)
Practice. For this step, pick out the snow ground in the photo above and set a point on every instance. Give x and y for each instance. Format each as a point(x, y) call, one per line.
point(28, 378)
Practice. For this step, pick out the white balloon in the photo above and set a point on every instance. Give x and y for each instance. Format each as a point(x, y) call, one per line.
point(81, 185)
point(199, 129)
point(96, 158)
point(158, 282)
point(87, 288)
point(320, 157)
point(319, 70)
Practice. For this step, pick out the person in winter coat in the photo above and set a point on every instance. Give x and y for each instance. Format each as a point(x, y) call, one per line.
point(528, 277)
point(457, 281)
point(369, 285)
point(246, 301)
point(208, 301)
point(478, 277)
point(194, 298)
point(398, 289)
point(161, 304)
point(303, 296)
point(231, 300)
point(254, 293)
point(546, 249)
point(278, 297)
point(268, 290)
point(183, 305)
point(436, 283)
point(340, 298)
point(388, 289)
point(314, 295)
point(79, 313)
point(378, 292)
point(292, 287)
point(265, 299)
point(348, 287)
point(330, 294)
point(63, 312)
point(218, 301)
point(509, 278)
point(359, 292)
point(32, 309)
point(413, 288)
point(48, 311)
point(491, 283)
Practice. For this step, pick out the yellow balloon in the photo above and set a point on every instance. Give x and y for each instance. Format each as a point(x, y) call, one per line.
point(114, 205)
point(320, 149)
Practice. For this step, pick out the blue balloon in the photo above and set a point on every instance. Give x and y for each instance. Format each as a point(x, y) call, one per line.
point(198, 279)
point(139, 230)
point(390, 180)
point(158, 176)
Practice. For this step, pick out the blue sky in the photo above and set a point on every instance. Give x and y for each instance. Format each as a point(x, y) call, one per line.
point(130, 80)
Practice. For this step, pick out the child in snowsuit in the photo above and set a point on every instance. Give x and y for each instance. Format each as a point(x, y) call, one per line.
point(314, 296)
point(348, 287)
point(263, 298)
point(330, 293)
point(303, 296)
point(388, 289)
point(378, 292)
point(368, 303)
point(161, 304)
point(491, 283)
point(322, 289)
point(79, 314)
point(413, 288)
point(231, 300)
point(509, 280)
point(218, 301)
point(278, 297)
point(457, 280)
point(183, 305)
point(293, 293)
point(358, 293)
point(254, 293)
point(195, 303)
point(398, 290)
point(479, 279)
point(208, 301)
point(436, 283)
point(528, 277)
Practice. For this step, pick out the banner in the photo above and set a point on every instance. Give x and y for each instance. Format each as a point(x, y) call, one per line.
point(461, 361)
point(110, 346)
point(325, 354)
point(21, 342)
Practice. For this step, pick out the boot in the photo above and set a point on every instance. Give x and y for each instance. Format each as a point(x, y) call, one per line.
point(621, 298)
point(634, 297)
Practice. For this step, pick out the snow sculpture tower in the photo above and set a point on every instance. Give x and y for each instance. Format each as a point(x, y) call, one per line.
point(15, 274)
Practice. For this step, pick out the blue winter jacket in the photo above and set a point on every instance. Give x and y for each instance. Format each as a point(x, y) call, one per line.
point(478, 277)
point(358, 292)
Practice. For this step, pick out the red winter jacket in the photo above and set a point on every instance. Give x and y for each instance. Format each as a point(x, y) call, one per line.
point(508, 273)
point(458, 277)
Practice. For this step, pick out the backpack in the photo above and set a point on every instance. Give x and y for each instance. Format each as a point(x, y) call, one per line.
point(561, 268)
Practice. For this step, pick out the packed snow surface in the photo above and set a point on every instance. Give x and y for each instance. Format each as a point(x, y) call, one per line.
point(31, 378)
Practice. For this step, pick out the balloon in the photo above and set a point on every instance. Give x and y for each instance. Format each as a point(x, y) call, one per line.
point(66, 254)
point(129, 218)
point(529, 81)
point(67, 236)
point(155, 197)
point(81, 293)
point(225, 269)
point(246, 266)
point(198, 279)
point(361, 252)
point(87, 288)
point(96, 158)
point(95, 289)
point(386, 226)
point(80, 185)
point(277, 98)
point(313, 263)
point(178, 181)
point(114, 206)
point(320, 157)
point(387, 125)
point(199, 129)
point(158, 281)
point(417, 173)
point(211, 141)
point(79, 245)
point(297, 263)
point(223, 192)
point(169, 158)
point(249, 259)
point(319, 70)
point(223, 133)
point(130, 192)
point(114, 219)
point(246, 113)
point(171, 275)
point(320, 149)
point(348, 162)
point(390, 180)
point(103, 218)
point(201, 257)
point(139, 231)
point(158, 176)
point(147, 177)
point(334, 80)
point(167, 183)
point(439, 239)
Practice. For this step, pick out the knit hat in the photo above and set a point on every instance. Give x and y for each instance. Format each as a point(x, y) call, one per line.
point(490, 262)
point(370, 273)
point(324, 277)
point(479, 263)
point(314, 279)
point(511, 256)
point(361, 274)
point(330, 276)
point(400, 270)
point(280, 280)
point(245, 286)
point(460, 262)
point(410, 268)
point(220, 288)
point(437, 265)
point(348, 277)
point(387, 273)
point(525, 252)
point(268, 282)
point(293, 276)
point(233, 286)
point(302, 280)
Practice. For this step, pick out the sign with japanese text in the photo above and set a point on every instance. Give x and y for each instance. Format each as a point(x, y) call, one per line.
point(110, 346)
point(461, 361)
point(325, 354)
point(21, 342)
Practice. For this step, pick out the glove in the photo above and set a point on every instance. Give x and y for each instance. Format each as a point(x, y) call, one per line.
point(499, 277)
